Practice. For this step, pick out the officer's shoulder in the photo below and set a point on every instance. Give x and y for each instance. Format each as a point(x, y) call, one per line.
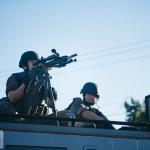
point(11, 78)
point(15, 77)
point(17, 73)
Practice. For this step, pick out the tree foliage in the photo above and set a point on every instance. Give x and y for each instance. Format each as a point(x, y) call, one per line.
point(135, 111)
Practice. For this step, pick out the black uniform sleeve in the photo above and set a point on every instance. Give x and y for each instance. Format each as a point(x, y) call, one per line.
point(11, 84)
point(97, 112)
point(105, 125)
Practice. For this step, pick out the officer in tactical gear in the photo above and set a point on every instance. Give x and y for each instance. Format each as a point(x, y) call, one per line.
point(83, 108)
point(17, 85)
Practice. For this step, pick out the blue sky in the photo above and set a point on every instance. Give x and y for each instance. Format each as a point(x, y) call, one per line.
point(111, 38)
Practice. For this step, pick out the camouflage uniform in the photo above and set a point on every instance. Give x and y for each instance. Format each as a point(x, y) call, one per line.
point(78, 106)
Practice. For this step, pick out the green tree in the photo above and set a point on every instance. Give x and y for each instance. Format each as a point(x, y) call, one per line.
point(135, 111)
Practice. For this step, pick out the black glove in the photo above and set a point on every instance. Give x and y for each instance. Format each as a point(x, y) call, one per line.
point(26, 78)
point(30, 75)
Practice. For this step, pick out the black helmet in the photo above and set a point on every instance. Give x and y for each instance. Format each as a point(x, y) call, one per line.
point(29, 55)
point(90, 88)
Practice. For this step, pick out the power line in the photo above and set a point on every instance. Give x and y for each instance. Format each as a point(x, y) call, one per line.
point(105, 64)
point(115, 53)
point(115, 47)
point(97, 51)
point(87, 59)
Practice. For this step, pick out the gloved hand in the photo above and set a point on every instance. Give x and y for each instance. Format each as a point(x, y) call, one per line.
point(32, 73)
point(26, 78)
